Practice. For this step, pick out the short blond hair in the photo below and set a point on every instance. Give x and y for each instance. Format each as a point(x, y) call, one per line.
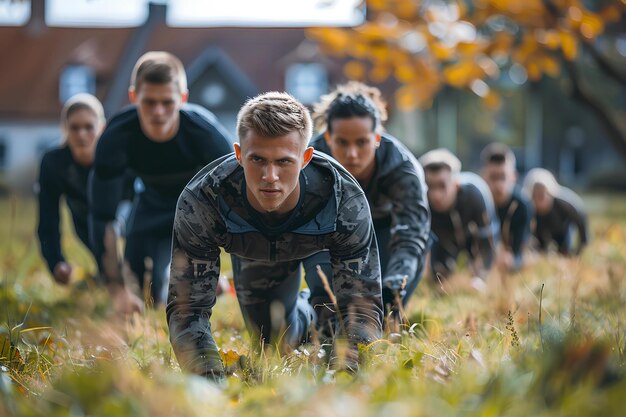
point(543, 177)
point(498, 153)
point(81, 101)
point(158, 67)
point(274, 114)
point(438, 158)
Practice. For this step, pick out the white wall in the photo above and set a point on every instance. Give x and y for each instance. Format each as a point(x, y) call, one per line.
point(25, 143)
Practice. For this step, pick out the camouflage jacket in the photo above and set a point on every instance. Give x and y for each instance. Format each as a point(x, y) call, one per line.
point(397, 197)
point(212, 214)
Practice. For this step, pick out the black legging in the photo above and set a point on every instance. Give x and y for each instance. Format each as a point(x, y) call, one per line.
point(268, 294)
point(142, 249)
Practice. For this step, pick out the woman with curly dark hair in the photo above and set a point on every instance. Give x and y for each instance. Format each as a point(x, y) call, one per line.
point(351, 121)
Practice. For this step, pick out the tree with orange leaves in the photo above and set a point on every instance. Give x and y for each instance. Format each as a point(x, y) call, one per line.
point(427, 44)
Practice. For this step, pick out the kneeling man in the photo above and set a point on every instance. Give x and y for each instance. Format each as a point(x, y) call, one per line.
point(271, 204)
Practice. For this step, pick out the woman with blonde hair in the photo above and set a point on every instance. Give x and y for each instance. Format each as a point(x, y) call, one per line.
point(64, 172)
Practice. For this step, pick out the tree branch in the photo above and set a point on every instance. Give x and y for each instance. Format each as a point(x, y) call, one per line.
point(551, 7)
point(600, 59)
point(604, 63)
point(614, 132)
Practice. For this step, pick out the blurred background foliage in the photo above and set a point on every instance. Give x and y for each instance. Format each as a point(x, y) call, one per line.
point(488, 46)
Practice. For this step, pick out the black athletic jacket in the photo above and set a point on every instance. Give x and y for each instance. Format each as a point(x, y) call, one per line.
point(164, 168)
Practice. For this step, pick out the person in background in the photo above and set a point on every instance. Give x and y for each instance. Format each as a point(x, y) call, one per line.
point(512, 206)
point(164, 141)
point(351, 121)
point(558, 213)
point(463, 215)
point(64, 172)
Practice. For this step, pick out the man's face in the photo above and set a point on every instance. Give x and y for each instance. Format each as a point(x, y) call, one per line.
point(501, 180)
point(353, 143)
point(83, 128)
point(158, 106)
point(542, 200)
point(272, 168)
point(442, 189)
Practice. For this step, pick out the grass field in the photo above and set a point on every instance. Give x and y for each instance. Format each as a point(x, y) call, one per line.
point(548, 341)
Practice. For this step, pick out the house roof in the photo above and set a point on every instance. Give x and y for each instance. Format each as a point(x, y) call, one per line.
point(31, 60)
point(31, 63)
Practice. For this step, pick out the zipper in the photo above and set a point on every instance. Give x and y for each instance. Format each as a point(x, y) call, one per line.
point(273, 250)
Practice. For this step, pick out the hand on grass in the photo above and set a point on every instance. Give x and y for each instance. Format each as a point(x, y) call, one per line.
point(62, 273)
point(124, 301)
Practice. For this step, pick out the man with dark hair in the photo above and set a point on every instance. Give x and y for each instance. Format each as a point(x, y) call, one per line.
point(271, 204)
point(513, 208)
point(351, 119)
point(164, 142)
point(463, 215)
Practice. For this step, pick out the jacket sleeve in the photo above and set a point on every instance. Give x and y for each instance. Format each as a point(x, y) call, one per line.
point(356, 278)
point(48, 229)
point(581, 222)
point(106, 188)
point(221, 143)
point(193, 281)
point(410, 223)
point(520, 231)
point(484, 230)
point(215, 141)
point(579, 219)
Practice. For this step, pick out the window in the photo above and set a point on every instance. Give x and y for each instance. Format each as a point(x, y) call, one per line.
point(306, 82)
point(76, 79)
point(96, 13)
point(213, 95)
point(3, 154)
point(14, 13)
point(263, 13)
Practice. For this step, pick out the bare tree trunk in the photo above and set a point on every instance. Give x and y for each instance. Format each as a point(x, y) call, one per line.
point(604, 64)
point(614, 132)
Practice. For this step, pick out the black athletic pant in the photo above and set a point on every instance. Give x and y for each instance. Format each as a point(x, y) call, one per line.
point(268, 295)
point(148, 256)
